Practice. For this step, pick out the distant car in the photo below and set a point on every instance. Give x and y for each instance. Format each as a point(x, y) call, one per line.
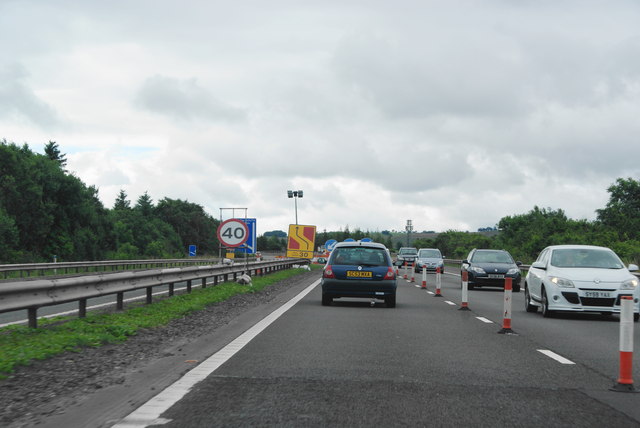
point(579, 278)
point(431, 258)
point(490, 268)
point(406, 254)
point(359, 269)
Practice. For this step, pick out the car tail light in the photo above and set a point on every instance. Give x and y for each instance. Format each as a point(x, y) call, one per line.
point(328, 272)
point(390, 274)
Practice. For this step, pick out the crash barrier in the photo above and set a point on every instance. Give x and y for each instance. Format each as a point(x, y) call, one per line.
point(464, 306)
point(26, 269)
point(506, 320)
point(625, 378)
point(33, 294)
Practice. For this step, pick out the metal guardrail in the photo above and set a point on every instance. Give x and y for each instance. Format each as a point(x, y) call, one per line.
point(33, 294)
point(40, 268)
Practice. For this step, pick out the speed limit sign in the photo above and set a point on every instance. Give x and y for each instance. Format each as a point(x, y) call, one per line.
point(233, 232)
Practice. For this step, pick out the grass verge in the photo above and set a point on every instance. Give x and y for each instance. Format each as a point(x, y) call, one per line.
point(20, 345)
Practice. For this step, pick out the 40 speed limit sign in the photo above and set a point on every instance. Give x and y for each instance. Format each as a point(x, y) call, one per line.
point(233, 232)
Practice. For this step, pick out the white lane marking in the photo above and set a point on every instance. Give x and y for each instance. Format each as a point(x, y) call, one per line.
point(558, 358)
point(449, 303)
point(431, 292)
point(417, 286)
point(101, 305)
point(483, 319)
point(149, 413)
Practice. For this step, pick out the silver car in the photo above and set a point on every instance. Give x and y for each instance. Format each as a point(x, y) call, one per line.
point(431, 258)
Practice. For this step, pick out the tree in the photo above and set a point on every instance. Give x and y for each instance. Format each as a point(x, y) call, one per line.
point(622, 212)
point(144, 205)
point(122, 203)
point(52, 151)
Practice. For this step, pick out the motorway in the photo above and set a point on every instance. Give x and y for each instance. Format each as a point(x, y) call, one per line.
point(423, 363)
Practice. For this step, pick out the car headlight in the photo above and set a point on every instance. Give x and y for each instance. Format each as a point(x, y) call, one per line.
point(629, 284)
point(562, 282)
point(477, 269)
point(513, 271)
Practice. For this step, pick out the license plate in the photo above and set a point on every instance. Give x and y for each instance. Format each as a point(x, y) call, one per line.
point(359, 274)
point(597, 294)
point(496, 276)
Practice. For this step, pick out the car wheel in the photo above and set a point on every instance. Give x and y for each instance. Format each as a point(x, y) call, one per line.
point(390, 301)
point(326, 300)
point(545, 305)
point(527, 301)
point(636, 317)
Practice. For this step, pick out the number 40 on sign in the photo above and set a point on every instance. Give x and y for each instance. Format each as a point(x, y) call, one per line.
point(233, 232)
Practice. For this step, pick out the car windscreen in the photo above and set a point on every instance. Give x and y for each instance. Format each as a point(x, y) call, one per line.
point(585, 258)
point(408, 251)
point(360, 256)
point(429, 254)
point(491, 257)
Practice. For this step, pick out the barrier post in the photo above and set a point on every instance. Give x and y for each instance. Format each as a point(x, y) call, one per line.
point(625, 381)
point(424, 276)
point(438, 283)
point(465, 292)
point(506, 321)
point(413, 272)
point(405, 270)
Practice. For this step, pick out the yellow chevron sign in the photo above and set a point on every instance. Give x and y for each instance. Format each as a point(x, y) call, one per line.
point(301, 241)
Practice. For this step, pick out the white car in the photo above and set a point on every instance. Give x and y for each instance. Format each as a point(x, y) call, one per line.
point(580, 278)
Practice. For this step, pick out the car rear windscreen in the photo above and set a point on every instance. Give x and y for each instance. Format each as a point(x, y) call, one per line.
point(360, 256)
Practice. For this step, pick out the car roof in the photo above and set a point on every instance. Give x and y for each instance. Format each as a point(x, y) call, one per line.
point(360, 244)
point(577, 247)
point(429, 249)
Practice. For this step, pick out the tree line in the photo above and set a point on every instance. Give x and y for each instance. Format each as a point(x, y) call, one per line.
point(47, 212)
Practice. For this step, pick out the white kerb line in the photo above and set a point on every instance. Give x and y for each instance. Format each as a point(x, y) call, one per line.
point(149, 413)
point(558, 358)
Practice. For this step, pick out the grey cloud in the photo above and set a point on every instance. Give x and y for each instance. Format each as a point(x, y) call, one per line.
point(17, 99)
point(185, 100)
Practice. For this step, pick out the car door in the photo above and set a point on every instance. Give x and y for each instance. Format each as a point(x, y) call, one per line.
point(536, 275)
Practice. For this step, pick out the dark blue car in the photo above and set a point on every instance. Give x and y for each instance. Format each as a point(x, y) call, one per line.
point(359, 269)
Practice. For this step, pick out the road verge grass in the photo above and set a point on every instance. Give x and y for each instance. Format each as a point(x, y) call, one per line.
point(20, 345)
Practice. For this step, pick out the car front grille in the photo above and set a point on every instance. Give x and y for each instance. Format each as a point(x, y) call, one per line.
point(597, 301)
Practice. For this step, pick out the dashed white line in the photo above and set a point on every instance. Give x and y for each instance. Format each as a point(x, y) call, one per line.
point(450, 303)
point(483, 319)
point(558, 358)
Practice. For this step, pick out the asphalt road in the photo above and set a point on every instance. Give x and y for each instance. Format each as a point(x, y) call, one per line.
point(423, 363)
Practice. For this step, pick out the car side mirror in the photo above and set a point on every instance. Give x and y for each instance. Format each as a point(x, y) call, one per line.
point(539, 265)
point(465, 262)
point(633, 268)
point(518, 263)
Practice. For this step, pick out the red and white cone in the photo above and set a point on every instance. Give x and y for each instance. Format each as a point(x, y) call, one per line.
point(413, 272)
point(506, 321)
point(438, 283)
point(625, 381)
point(465, 291)
point(405, 271)
point(424, 276)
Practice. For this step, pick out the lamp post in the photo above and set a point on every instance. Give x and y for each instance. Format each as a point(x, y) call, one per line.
point(295, 194)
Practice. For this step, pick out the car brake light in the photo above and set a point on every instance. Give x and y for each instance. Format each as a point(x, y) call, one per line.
point(328, 272)
point(390, 274)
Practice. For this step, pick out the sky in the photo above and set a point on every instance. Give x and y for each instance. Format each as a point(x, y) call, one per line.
point(453, 114)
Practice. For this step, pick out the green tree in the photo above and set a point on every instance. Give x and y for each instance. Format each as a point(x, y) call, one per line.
point(622, 212)
point(52, 151)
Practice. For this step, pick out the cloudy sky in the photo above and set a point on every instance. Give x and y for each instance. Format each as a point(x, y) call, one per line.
point(451, 113)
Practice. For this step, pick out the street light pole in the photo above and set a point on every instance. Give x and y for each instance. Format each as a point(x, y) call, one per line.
point(295, 194)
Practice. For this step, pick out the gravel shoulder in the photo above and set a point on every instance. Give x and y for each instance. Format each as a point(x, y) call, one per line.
point(36, 394)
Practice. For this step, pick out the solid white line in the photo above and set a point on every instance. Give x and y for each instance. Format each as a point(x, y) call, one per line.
point(483, 319)
point(449, 303)
point(558, 358)
point(149, 413)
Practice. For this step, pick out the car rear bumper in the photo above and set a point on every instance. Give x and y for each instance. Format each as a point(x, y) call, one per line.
point(358, 288)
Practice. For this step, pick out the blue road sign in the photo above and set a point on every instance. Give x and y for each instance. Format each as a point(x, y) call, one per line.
point(249, 247)
point(192, 250)
point(330, 244)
